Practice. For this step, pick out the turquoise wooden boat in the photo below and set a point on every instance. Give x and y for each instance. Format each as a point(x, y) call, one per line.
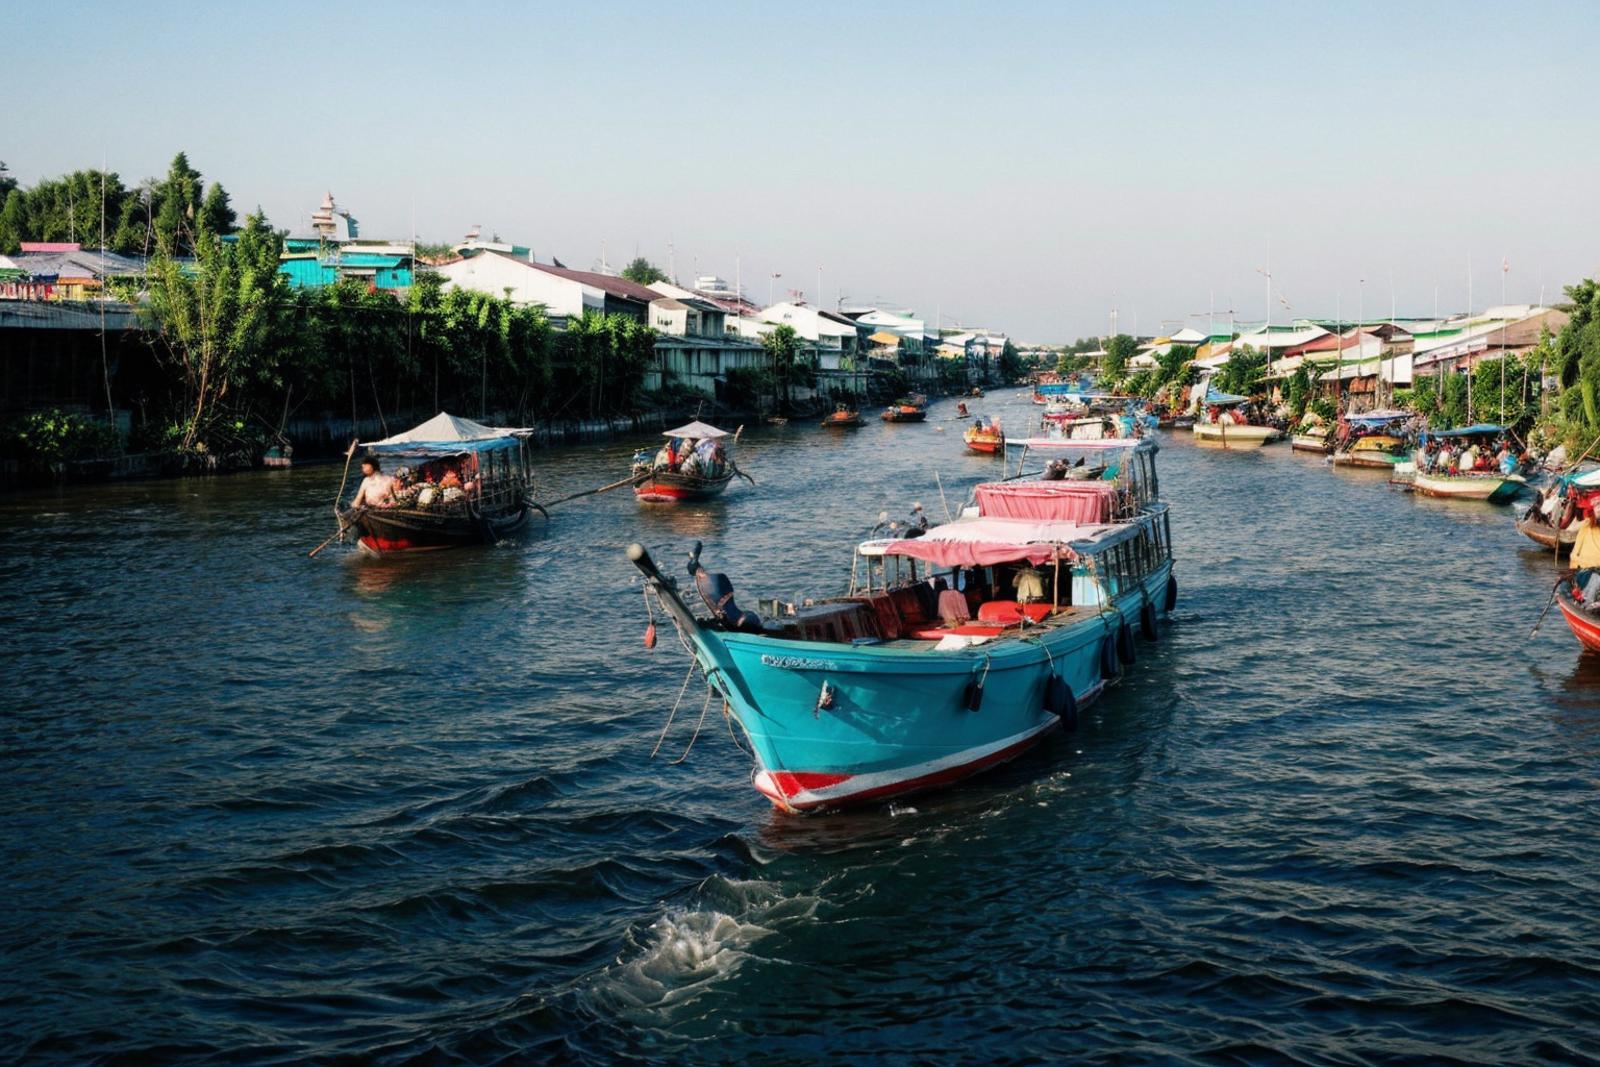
point(878, 693)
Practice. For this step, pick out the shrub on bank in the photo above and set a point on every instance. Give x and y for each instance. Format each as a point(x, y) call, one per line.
point(44, 440)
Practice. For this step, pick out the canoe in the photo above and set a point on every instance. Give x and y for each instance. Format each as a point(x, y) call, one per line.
point(1216, 433)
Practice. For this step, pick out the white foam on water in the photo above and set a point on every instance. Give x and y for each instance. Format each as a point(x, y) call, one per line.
point(688, 950)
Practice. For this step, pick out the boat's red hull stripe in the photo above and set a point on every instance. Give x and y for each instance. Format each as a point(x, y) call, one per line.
point(805, 790)
point(1585, 630)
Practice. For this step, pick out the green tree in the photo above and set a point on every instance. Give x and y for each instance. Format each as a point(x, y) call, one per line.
point(7, 182)
point(1119, 350)
point(216, 215)
point(177, 216)
point(643, 271)
point(214, 318)
point(1170, 364)
point(13, 221)
point(1009, 366)
point(1243, 373)
point(787, 365)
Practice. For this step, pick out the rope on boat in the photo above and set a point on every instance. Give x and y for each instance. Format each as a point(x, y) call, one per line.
point(696, 735)
point(674, 713)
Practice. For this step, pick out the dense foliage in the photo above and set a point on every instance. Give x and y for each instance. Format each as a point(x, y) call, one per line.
point(1243, 374)
point(1575, 361)
point(77, 206)
point(44, 439)
point(644, 272)
point(1119, 350)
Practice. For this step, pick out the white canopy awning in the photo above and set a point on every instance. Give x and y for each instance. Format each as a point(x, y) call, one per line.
point(445, 428)
point(696, 429)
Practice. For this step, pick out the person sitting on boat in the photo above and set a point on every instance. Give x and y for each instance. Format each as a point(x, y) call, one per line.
point(1029, 584)
point(377, 488)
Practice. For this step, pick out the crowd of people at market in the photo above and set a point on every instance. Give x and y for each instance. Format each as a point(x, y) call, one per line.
point(1440, 455)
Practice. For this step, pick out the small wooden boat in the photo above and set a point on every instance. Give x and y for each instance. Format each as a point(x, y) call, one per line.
point(1234, 435)
point(908, 409)
point(986, 438)
point(1535, 527)
point(696, 464)
point(1377, 451)
point(843, 418)
point(455, 483)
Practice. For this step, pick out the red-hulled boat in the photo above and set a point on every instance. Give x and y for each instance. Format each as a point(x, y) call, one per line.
point(695, 464)
point(1585, 627)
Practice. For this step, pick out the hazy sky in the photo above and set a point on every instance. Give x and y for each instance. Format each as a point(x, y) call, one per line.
point(1021, 166)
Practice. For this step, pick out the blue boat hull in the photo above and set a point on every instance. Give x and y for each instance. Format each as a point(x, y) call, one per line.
point(835, 724)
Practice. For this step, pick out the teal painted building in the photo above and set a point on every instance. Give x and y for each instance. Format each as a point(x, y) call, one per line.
point(311, 270)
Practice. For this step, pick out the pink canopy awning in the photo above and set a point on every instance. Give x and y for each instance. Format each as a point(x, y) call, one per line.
point(985, 542)
point(1064, 501)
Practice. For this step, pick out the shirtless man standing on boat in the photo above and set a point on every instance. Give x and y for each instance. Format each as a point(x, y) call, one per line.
point(377, 488)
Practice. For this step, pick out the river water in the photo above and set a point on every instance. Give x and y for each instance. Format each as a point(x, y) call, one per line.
point(266, 807)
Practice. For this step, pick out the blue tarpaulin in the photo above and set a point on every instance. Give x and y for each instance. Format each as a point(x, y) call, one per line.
point(1469, 431)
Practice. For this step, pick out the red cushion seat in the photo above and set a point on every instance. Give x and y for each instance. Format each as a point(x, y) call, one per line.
point(971, 629)
point(1009, 612)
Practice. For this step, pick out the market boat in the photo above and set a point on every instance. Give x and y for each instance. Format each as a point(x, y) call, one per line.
point(899, 686)
point(695, 464)
point(1497, 487)
point(844, 417)
point(456, 483)
point(1375, 450)
point(1479, 485)
point(1221, 424)
point(907, 409)
point(985, 437)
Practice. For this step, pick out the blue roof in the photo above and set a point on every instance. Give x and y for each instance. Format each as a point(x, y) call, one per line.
point(1470, 431)
point(442, 448)
point(1214, 397)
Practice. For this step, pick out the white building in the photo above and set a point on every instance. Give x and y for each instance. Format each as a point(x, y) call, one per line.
point(562, 292)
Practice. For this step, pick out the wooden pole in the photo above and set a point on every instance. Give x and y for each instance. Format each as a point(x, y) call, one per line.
point(343, 526)
point(632, 480)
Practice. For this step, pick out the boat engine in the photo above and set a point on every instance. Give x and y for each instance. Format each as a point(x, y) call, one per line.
point(716, 590)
